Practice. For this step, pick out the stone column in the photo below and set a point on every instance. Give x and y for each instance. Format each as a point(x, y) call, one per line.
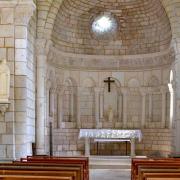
point(163, 92)
point(78, 107)
point(150, 104)
point(22, 126)
point(97, 106)
point(143, 116)
point(41, 100)
point(125, 95)
point(133, 148)
point(72, 104)
point(60, 107)
point(101, 105)
point(172, 105)
point(87, 147)
point(119, 106)
point(42, 47)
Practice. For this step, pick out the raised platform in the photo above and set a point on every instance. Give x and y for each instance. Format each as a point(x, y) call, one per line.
point(110, 162)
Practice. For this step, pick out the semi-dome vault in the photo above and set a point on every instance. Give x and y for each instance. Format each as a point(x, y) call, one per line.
point(143, 27)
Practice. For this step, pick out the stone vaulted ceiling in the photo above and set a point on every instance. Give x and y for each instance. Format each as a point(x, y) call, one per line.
point(144, 27)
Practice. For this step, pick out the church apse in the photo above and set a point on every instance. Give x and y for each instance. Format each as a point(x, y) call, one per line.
point(127, 102)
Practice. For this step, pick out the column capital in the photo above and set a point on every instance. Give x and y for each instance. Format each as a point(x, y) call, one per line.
point(43, 46)
point(125, 91)
point(23, 12)
point(143, 91)
point(60, 90)
point(164, 89)
point(97, 90)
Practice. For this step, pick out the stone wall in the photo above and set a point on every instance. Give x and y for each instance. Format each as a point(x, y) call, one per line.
point(156, 142)
point(91, 103)
point(7, 46)
point(14, 18)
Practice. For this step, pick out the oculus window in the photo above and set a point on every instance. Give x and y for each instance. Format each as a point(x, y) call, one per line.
point(104, 26)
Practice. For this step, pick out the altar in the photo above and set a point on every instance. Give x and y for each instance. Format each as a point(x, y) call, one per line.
point(110, 135)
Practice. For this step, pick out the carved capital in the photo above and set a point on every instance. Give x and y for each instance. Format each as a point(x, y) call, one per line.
point(164, 89)
point(23, 12)
point(97, 90)
point(43, 46)
point(3, 107)
point(143, 91)
point(125, 91)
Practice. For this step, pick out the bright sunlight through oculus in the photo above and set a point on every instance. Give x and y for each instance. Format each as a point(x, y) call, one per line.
point(104, 24)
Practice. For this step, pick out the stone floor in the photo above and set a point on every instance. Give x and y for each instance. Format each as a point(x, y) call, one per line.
point(110, 168)
point(109, 174)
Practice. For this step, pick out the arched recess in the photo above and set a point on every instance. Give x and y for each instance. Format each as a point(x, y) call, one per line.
point(111, 104)
point(50, 116)
point(134, 101)
point(69, 101)
point(154, 103)
point(87, 103)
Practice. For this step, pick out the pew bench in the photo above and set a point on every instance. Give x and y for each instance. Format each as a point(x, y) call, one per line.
point(81, 161)
point(40, 171)
point(153, 166)
point(162, 176)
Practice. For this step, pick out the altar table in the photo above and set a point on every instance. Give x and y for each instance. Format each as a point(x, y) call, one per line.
point(112, 134)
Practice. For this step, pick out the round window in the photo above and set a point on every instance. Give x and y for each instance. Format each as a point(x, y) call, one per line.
point(104, 26)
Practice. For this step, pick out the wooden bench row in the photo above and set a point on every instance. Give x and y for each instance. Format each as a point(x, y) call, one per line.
point(45, 167)
point(155, 169)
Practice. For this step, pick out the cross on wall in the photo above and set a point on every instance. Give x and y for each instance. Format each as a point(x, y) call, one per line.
point(109, 81)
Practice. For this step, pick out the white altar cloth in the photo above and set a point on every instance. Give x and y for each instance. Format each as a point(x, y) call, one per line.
point(114, 134)
point(110, 133)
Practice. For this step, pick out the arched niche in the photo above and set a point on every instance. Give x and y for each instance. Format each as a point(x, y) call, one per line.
point(134, 101)
point(155, 99)
point(50, 94)
point(111, 104)
point(87, 103)
point(69, 100)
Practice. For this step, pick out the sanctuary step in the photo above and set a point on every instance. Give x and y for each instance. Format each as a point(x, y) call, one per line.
point(110, 162)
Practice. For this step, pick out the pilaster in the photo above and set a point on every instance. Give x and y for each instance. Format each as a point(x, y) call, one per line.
point(97, 106)
point(22, 12)
point(143, 92)
point(42, 47)
point(125, 92)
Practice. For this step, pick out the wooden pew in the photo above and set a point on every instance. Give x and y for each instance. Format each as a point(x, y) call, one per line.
point(22, 177)
point(151, 165)
point(81, 161)
point(40, 170)
point(45, 167)
point(162, 176)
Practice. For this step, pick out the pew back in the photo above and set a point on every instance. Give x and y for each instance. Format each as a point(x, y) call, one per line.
point(84, 161)
point(144, 166)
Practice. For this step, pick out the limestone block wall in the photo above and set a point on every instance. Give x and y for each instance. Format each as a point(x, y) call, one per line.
point(140, 89)
point(14, 19)
point(155, 142)
point(139, 31)
point(48, 14)
point(7, 45)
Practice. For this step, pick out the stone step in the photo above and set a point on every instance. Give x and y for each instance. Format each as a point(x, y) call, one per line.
point(110, 162)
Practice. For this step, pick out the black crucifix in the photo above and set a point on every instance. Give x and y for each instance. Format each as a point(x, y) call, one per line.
point(109, 81)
